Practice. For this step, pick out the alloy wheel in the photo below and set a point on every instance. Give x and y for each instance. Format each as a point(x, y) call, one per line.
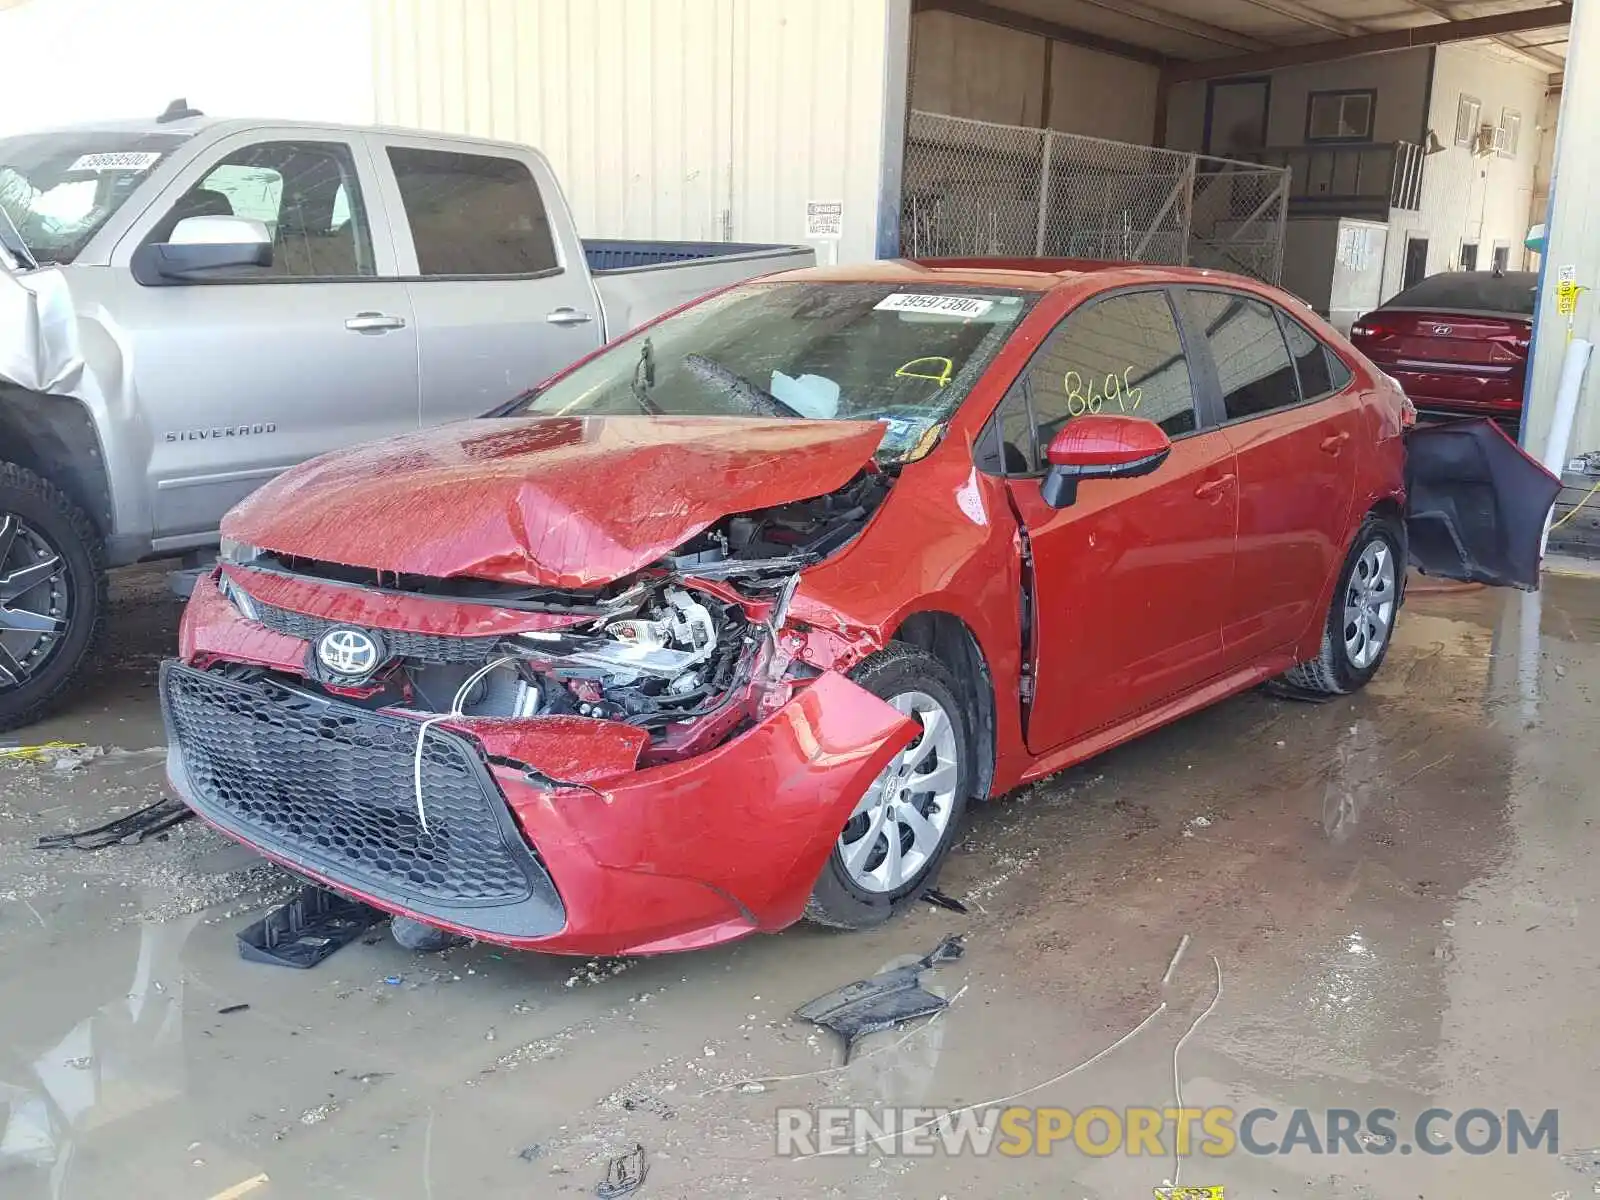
point(1369, 604)
point(902, 819)
point(34, 600)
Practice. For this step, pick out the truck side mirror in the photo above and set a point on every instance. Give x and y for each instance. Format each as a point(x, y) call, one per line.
point(203, 249)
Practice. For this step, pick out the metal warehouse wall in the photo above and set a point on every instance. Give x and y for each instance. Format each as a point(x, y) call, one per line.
point(695, 119)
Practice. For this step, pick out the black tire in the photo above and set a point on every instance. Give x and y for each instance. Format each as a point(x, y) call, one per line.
point(50, 513)
point(837, 901)
point(1332, 672)
point(420, 938)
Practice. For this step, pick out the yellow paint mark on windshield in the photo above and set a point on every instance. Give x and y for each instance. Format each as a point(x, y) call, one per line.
point(947, 370)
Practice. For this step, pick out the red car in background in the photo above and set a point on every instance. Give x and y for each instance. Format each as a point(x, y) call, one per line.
point(1457, 342)
point(726, 625)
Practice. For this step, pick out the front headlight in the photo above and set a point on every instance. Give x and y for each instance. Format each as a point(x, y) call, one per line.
point(238, 553)
point(239, 598)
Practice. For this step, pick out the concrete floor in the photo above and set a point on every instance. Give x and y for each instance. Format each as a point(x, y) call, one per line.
point(1397, 889)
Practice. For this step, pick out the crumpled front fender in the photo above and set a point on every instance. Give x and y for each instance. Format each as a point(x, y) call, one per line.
point(746, 827)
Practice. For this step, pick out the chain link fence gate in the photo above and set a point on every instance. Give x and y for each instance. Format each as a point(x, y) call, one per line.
point(976, 189)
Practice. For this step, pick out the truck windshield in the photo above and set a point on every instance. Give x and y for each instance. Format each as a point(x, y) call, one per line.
point(60, 188)
point(906, 356)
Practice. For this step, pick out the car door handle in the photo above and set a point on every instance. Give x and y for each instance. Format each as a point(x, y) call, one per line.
point(1334, 444)
point(568, 316)
point(374, 322)
point(1210, 491)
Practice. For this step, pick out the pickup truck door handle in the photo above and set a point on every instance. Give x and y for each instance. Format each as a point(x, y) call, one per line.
point(374, 322)
point(1210, 491)
point(568, 316)
point(1334, 444)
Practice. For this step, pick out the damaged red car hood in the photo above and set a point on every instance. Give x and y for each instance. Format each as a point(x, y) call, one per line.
point(566, 502)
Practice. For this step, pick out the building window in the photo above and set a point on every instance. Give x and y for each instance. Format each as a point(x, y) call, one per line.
point(1340, 116)
point(1469, 256)
point(1502, 259)
point(1468, 112)
point(1509, 135)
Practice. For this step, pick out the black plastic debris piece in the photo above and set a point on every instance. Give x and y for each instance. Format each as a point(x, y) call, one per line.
point(306, 930)
point(229, 1010)
point(882, 1002)
point(1284, 690)
point(129, 830)
point(1585, 1162)
point(939, 900)
point(624, 1174)
point(531, 1152)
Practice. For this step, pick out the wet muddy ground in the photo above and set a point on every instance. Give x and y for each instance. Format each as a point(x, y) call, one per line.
point(1396, 893)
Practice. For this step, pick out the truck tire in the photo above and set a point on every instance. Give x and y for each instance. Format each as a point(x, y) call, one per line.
point(52, 576)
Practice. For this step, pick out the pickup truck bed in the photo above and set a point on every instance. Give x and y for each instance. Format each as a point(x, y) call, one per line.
point(640, 280)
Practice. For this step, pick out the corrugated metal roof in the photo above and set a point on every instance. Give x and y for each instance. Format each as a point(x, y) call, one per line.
point(1193, 30)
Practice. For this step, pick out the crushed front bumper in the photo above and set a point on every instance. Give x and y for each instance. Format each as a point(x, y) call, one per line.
point(671, 857)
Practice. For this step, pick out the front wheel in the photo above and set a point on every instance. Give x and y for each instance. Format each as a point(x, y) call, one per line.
point(890, 849)
point(1361, 619)
point(52, 594)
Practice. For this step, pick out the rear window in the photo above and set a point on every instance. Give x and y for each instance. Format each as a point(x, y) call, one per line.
point(1472, 292)
point(473, 214)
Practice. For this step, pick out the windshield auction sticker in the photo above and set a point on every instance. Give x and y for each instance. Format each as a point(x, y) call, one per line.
point(943, 306)
point(127, 160)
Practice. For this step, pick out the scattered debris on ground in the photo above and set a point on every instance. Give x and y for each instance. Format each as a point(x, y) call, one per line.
point(939, 900)
point(624, 1174)
point(883, 1001)
point(128, 830)
point(306, 930)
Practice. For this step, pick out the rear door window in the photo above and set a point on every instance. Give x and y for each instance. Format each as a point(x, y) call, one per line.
point(473, 214)
point(1253, 363)
point(1312, 360)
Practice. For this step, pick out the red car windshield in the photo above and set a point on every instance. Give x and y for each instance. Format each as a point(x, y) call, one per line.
point(822, 351)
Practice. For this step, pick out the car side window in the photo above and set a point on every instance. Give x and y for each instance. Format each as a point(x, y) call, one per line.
point(305, 193)
point(473, 214)
point(1119, 355)
point(1313, 361)
point(1252, 360)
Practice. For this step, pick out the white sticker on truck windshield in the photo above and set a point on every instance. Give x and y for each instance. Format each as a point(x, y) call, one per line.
point(943, 306)
point(126, 160)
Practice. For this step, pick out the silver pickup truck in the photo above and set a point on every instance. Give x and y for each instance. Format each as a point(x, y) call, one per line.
point(189, 306)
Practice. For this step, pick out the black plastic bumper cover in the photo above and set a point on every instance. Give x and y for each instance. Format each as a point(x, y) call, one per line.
point(330, 787)
point(1476, 504)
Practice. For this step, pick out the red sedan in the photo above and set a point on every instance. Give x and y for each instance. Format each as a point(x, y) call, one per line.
point(1457, 342)
point(728, 624)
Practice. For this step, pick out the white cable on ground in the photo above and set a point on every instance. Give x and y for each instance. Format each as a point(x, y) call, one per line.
point(995, 1103)
point(455, 711)
point(1177, 1080)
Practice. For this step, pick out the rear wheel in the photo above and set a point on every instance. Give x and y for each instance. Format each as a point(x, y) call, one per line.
point(891, 848)
point(1361, 619)
point(52, 594)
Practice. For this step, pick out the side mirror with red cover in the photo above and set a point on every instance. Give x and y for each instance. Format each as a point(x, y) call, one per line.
point(1101, 446)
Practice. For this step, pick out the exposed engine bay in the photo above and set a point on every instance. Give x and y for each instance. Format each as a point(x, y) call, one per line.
point(670, 659)
point(695, 635)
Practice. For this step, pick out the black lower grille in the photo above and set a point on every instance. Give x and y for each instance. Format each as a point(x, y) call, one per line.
point(330, 786)
point(424, 647)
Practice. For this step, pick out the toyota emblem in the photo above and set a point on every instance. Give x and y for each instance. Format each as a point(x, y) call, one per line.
point(352, 653)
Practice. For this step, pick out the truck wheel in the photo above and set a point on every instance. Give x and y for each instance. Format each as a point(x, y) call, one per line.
point(52, 594)
point(891, 848)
